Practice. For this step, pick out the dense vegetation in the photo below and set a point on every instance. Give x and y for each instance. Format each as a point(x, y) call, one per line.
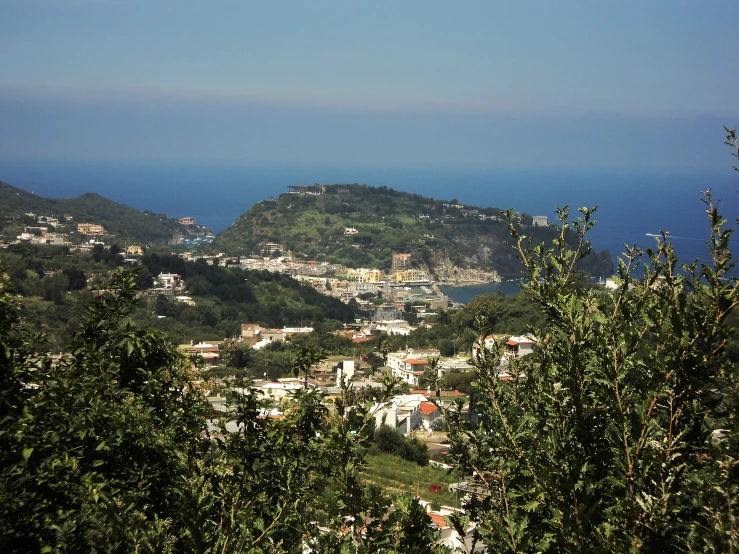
point(622, 437)
point(53, 284)
point(619, 434)
point(387, 221)
point(109, 450)
point(391, 441)
point(126, 224)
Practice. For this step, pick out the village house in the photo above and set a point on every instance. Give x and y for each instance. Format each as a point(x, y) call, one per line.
point(388, 312)
point(402, 413)
point(134, 250)
point(409, 366)
point(515, 346)
point(169, 280)
point(445, 398)
point(257, 336)
point(410, 277)
point(90, 229)
point(448, 536)
point(429, 413)
point(454, 365)
point(51, 238)
point(207, 352)
point(392, 327)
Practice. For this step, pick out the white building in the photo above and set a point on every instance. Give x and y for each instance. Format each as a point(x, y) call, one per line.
point(345, 372)
point(514, 346)
point(402, 413)
point(410, 366)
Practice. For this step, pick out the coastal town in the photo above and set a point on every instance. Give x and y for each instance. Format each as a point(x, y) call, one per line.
point(396, 302)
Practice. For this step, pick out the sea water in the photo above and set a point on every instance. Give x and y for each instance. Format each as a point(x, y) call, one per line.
point(632, 204)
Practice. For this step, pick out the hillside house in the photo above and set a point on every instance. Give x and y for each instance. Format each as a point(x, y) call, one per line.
point(409, 366)
point(134, 250)
point(257, 336)
point(411, 370)
point(402, 413)
point(90, 229)
point(169, 280)
point(429, 413)
point(448, 536)
point(207, 352)
point(393, 327)
point(514, 347)
point(388, 312)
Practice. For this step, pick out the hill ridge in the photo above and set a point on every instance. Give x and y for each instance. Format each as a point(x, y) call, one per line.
point(126, 223)
point(363, 226)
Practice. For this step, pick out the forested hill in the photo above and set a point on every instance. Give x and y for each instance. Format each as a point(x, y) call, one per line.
point(119, 220)
point(362, 226)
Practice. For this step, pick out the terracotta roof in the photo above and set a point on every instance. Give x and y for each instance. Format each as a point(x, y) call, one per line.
point(438, 520)
point(361, 339)
point(413, 361)
point(418, 372)
point(428, 408)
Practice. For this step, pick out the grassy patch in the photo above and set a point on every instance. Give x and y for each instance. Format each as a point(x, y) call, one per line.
point(394, 474)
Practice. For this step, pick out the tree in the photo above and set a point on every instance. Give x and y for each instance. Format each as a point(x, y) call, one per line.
point(96, 448)
point(108, 450)
point(54, 287)
point(76, 277)
point(622, 434)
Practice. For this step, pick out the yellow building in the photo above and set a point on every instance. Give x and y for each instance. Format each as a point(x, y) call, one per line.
point(364, 275)
point(408, 275)
point(90, 229)
point(134, 250)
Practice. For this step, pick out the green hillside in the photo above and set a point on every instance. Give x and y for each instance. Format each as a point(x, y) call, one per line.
point(119, 220)
point(319, 223)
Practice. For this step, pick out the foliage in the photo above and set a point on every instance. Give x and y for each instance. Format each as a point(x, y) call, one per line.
point(622, 435)
point(387, 221)
point(389, 440)
point(96, 450)
point(126, 223)
point(109, 450)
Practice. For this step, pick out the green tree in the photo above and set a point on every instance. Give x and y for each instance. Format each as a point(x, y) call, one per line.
point(622, 435)
point(76, 277)
point(54, 287)
point(109, 451)
point(96, 448)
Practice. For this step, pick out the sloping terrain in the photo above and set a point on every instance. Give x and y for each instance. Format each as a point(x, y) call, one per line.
point(119, 220)
point(361, 226)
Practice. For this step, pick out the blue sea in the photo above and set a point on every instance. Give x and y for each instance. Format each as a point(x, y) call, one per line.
point(631, 203)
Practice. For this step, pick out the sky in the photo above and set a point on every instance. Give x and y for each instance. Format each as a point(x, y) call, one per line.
point(567, 84)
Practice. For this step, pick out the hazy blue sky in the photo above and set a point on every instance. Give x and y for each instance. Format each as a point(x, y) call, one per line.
point(638, 84)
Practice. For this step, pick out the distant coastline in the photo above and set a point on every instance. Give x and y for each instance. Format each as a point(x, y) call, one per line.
point(216, 195)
